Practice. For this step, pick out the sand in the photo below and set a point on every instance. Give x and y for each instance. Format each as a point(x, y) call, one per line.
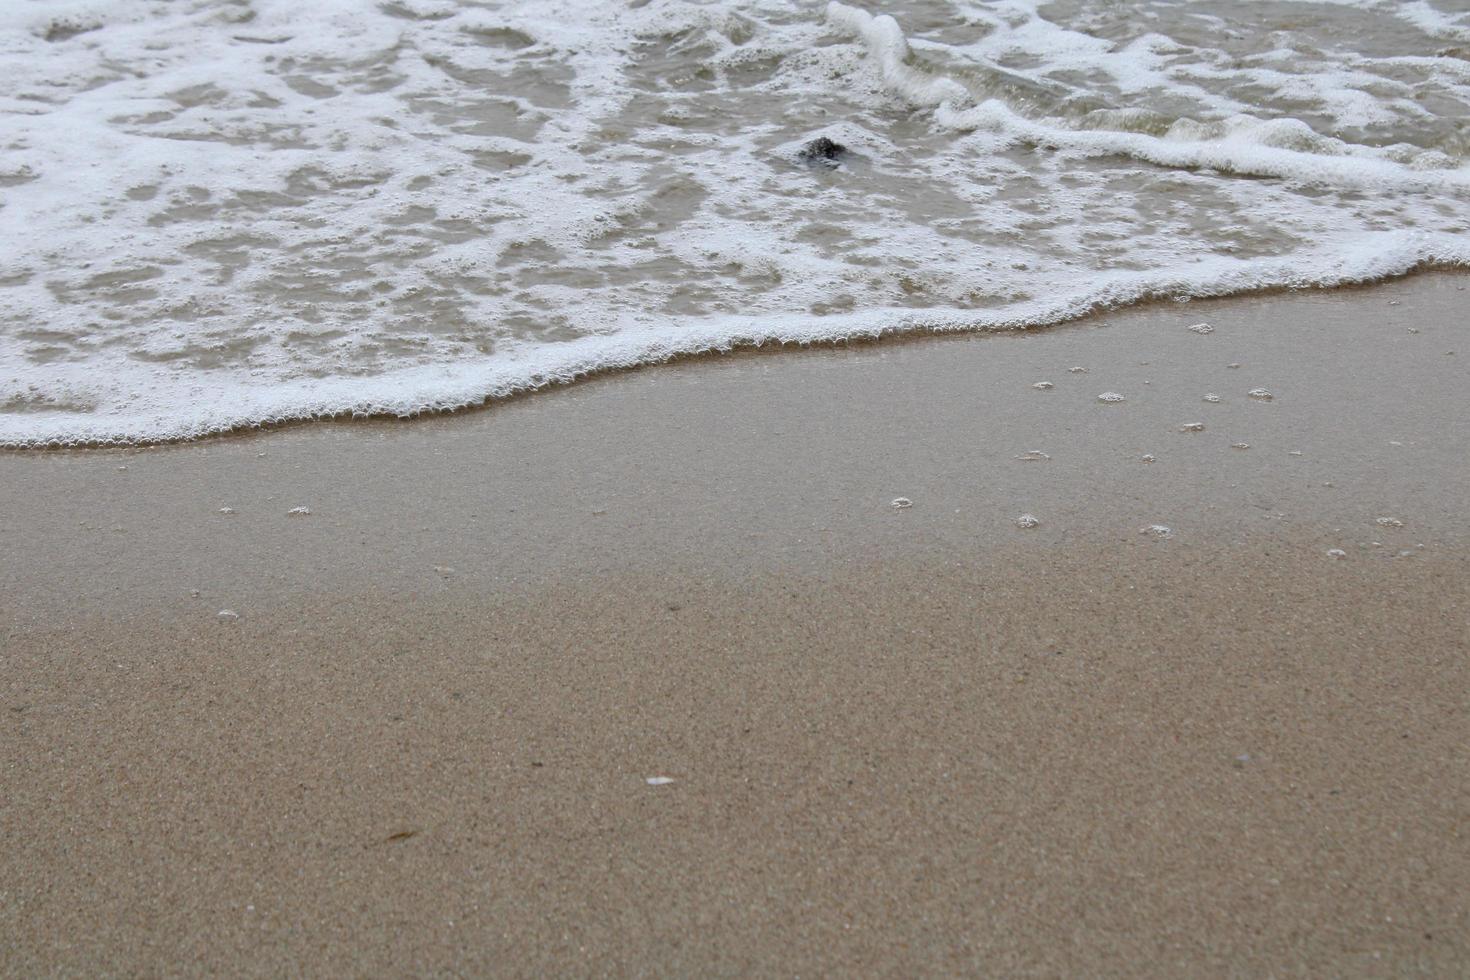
point(900, 740)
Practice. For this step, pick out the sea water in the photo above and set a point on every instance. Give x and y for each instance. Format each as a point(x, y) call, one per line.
point(221, 213)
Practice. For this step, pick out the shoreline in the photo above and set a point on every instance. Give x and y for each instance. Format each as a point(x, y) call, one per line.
point(888, 336)
point(901, 740)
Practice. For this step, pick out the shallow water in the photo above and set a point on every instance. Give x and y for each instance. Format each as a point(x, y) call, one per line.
point(215, 213)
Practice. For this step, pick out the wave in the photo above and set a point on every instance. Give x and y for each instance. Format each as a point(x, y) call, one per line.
point(176, 412)
point(214, 218)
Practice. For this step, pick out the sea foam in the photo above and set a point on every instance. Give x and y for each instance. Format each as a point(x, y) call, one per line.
point(216, 215)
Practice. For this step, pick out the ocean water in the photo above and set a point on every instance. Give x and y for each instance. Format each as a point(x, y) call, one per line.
point(219, 213)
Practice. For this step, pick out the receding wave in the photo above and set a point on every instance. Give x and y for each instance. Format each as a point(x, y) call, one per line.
point(223, 214)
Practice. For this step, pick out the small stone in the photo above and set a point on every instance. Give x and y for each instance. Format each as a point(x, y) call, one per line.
point(1201, 328)
point(823, 152)
point(227, 510)
point(1192, 427)
point(1158, 530)
point(901, 503)
point(299, 512)
point(1150, 458)
point(1260, 394)
point(658, 780)
point(1028, 521)
point(227, 616)
point(1076, 370)
point(1043, 386)
point(1110, 398)
point(1336, 553)
point(1233, 366)
point(1389, 522)
point(1212, 399)
point(1240, 445)
point(1034, 456)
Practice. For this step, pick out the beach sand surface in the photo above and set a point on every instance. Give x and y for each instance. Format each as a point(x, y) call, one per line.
point(897, 740)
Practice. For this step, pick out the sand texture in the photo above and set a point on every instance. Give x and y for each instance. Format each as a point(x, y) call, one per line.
point(900, 740)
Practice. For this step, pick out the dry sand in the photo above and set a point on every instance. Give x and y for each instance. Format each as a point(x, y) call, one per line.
point(901, 740)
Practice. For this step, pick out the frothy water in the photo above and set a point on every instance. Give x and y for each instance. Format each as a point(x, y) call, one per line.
point(217, 213)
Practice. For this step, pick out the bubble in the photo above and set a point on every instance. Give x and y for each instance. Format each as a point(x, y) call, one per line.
point(1033, 456)
point(1110, 397)
point(1240, 445)
point(1028, 521)
point(299, 512)
point(1260, 394)
point(1389, 522)
point(227, 616)
point(1158, 531)
point(901, 503)
point(1212, 399)
point(1200, 328)
point(1336, 553)
point(1149, 458)
point(1043, 386)
point(1192, 427)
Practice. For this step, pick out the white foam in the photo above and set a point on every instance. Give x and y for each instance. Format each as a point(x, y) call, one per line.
point(334, 209)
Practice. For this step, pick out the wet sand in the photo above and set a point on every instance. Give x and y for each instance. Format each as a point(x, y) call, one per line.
point(900, 740)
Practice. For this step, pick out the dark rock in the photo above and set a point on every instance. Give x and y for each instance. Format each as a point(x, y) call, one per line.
point(824, 151)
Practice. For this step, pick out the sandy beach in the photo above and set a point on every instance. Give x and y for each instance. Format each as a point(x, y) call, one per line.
point(1210, 716)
